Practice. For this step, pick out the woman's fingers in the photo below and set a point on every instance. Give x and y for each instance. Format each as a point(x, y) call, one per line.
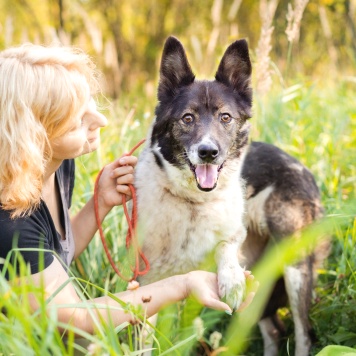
point(128, 160)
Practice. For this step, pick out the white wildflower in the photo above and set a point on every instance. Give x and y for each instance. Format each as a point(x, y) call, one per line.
point(214, 339)
point(199, 327)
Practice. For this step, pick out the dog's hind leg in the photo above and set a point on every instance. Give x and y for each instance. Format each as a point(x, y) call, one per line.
point(270, 335)
point(299, 283)
point(271, 327)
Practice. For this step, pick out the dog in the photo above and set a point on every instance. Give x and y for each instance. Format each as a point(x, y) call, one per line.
point(202, 187)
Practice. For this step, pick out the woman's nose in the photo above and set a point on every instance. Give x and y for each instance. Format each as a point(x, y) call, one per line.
point(98, 120)
point(102, 120)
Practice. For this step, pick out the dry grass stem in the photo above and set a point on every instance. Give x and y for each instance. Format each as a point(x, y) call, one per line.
point(262, 69)
point(294, 18)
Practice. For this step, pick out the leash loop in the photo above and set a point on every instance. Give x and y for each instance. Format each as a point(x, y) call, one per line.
point(131, 237)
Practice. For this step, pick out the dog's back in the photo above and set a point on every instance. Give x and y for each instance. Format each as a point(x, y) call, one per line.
point(282, 196)
point(282, 199)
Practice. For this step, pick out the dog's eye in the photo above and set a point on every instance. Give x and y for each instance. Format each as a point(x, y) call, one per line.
point(188, 118)
point(225, 118)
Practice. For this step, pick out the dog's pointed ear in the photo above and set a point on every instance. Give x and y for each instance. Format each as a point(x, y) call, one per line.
point(235, 69)
point(175, 70)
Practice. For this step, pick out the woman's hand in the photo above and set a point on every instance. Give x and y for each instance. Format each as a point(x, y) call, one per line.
point(204, 287)
point(112, 185)
point(114, 181)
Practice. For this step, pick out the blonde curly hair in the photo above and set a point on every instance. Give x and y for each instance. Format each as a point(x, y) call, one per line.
point(42, 90)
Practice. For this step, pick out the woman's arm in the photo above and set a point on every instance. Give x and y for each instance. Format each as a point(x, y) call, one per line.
point(113, 184)
point(152, 297)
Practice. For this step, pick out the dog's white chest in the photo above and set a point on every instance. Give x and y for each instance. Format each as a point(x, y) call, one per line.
point(177, 233)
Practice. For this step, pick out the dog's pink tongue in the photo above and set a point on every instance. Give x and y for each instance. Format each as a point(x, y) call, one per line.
point(207, 175)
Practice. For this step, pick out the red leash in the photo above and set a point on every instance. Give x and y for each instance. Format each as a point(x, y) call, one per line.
point(131, 233)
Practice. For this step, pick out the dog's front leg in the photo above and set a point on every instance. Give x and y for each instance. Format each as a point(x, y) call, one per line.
point(231, 277)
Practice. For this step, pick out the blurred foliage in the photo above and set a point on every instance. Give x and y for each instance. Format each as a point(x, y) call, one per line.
point(125, 36)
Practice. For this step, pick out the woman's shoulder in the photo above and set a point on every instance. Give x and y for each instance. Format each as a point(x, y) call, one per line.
point(36, 222)
point(28, 233)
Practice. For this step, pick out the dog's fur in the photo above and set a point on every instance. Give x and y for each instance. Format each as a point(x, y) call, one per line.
point(202, 187)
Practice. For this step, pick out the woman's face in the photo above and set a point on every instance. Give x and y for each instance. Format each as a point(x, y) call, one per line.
point(83, 138)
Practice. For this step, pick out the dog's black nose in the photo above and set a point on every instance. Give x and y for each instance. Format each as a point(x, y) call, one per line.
point(208, 152)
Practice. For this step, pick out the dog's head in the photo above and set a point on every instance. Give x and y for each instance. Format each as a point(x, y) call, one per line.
point(200, 125)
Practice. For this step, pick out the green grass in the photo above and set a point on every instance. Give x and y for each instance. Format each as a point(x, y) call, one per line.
point(315, 121)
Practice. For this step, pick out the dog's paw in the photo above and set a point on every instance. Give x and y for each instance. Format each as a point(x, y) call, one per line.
point(232, 285)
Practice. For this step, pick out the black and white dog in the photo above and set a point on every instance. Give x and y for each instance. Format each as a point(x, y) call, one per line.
point(202, 187)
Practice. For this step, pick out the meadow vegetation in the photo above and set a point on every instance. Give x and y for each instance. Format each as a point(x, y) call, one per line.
point(302, 104)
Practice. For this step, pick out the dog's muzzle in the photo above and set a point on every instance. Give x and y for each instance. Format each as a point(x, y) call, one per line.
point(207, 172)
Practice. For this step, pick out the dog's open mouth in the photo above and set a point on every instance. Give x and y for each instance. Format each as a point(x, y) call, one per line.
point(206, 175)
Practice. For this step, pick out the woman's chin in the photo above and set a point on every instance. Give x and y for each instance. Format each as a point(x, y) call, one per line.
point(91, 146)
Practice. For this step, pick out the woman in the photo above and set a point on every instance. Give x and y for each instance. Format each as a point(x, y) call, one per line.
point(47, 118)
